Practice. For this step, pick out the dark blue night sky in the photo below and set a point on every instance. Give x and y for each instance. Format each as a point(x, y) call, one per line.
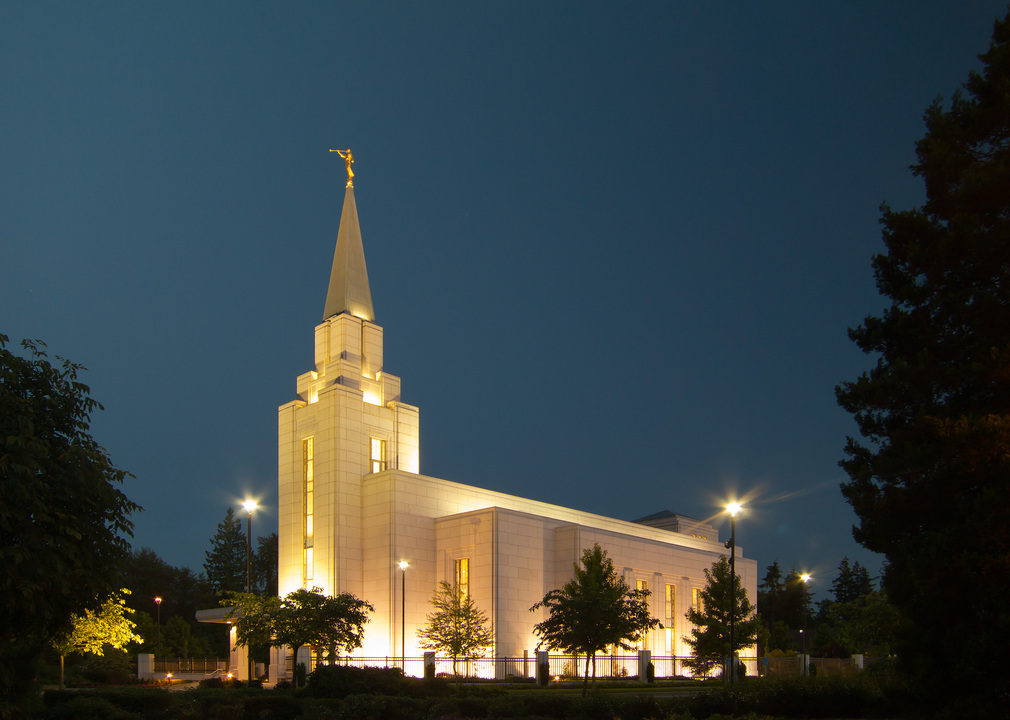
point(615, 248)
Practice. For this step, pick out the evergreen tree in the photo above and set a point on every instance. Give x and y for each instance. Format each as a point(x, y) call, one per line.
point(852, 582)
point(723, 594)
point(225, 562)
point(457, 627)
point(929, 476)
point(593, 610)
point(265, 565)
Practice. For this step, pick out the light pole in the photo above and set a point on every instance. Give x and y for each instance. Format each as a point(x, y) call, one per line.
point(250, 506)
point(403, 614)
point(805, 577)
point(157, 602)
point(733, 508)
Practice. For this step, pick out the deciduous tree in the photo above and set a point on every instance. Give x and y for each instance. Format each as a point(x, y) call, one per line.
point(593, 610)
point(929, 473)
point(64, 521)
point(457, 626)
point(96, 630)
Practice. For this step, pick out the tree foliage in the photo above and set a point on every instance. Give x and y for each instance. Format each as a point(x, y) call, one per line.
point(723, 594)
point(928, 476)
point(64, 520)
point(110, 626)
point(867, 625)
point(182, 593)
point(225, 562)
point(303, 618)
point(264, 565)
point(593, 610)
point(852, 582)
point(457, 626)
point(783, 605)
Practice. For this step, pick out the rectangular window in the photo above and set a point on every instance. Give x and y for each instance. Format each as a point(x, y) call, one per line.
point(377, 455)
point(671, 605)
point(462, 577)
point(308, 502)
point(696, 599)
point(643, 642)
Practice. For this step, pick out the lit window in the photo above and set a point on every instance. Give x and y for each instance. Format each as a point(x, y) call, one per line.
point(462, 577)
point(308, 491)
point(671, 605)
point(643, 642)
point(696, 599)
point(377, 455)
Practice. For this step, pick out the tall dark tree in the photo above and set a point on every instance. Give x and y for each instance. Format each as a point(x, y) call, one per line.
point(265, 565)
point(852, 582)
point(64, 521)
point(723, 595)
point(225, 563)
point(930, 475)
point(182, 593)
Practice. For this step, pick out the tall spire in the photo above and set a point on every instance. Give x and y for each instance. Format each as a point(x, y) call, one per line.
point(349, 291)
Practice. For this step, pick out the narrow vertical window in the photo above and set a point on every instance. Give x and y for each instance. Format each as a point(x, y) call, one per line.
point(462, 578)
point(308, 491)
point(377, 455)
point(643, 642)
point(671, 605)
point(696, 599)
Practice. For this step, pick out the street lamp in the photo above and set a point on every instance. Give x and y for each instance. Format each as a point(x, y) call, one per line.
point(249, 506)
point(403, 614)
point(157, 601)
point(733, 508)
point(805, 577)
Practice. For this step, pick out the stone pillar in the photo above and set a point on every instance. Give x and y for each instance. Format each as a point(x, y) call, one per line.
point(644, 659)
point(429, 665)
point(145, 666)
point(543, 668)
point(857, 660)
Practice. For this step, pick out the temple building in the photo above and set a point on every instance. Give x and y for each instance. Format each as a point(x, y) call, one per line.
point(354, 504)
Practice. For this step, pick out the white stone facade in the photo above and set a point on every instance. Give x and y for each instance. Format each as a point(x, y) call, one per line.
point(353, 505)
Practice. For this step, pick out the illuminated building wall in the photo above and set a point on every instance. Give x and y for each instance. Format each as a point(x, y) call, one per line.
point(353, 504)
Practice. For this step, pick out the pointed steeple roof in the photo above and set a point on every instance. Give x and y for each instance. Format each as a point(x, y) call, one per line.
point(348, 291)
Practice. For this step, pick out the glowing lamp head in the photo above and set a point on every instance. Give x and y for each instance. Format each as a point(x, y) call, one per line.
point(250, 506)
point(403, 565)
point(157, 601)
point(733, 508)
point(805, 577)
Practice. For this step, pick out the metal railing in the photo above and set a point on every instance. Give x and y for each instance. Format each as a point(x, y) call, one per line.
point(564, 667)
point(189, 665)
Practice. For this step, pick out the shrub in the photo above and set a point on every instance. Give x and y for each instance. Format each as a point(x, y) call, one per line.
point(340, 681)
point(380, 707)
point(90, 707)
point(271, 707)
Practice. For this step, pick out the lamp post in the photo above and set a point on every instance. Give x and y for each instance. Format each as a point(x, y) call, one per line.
point(157, 602)
point(403, 614)
point(733, 508)
point(805, 577)
point(250, 506)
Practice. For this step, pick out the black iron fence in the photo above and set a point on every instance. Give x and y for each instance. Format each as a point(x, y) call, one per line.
point(560, 667)
point(190, 665)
